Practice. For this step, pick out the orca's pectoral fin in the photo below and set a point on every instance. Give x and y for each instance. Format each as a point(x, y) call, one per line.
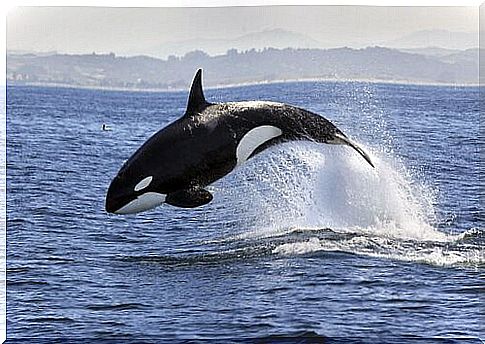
point(189, 198)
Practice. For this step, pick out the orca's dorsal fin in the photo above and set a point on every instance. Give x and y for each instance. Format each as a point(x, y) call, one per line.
point(197, 100)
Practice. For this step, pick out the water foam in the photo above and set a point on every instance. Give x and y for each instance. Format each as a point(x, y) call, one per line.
point(308, 186)
point(381, 248)
point(322, 186)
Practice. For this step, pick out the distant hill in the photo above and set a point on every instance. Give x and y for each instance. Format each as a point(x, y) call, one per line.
point(468, 56)
point(435, 38)
point(431, 51)
point(424, 42)
point(276, 38)
point(234, 67)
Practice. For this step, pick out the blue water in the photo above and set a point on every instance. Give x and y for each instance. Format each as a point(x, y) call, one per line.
point(304, 240)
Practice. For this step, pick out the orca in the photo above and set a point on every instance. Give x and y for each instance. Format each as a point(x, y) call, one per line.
point(176, 164)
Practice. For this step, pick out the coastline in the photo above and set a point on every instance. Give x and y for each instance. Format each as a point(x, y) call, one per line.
point(243, 84)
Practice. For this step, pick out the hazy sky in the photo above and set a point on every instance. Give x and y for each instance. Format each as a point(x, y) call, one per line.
point(105, 29)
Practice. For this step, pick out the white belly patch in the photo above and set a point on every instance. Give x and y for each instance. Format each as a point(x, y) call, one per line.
point(253, 139)
point(143, 202)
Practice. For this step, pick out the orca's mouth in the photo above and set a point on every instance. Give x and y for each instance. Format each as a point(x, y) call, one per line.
point(117, 196)
point(114, 204)
point(118, 202)
point(146, 201)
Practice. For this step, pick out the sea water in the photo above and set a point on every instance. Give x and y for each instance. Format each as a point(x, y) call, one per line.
point(303, 241)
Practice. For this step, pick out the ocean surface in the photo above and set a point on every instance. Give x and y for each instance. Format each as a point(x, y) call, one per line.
point(304, 242)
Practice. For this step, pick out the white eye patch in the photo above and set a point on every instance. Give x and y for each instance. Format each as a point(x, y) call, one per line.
point(143, 183)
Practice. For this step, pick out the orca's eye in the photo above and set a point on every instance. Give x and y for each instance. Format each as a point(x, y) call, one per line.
point(143, 183)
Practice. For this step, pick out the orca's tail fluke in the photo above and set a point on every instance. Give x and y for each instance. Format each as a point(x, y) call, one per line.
point(340, 138)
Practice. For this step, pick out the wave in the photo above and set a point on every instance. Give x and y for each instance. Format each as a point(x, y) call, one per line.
point(434, 253)
point(386, 212)
point(314, 242)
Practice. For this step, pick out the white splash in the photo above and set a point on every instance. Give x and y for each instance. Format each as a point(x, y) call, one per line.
point(307, 186)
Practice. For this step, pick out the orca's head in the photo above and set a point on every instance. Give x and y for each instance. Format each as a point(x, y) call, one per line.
point(135, 187)
point(131, 193)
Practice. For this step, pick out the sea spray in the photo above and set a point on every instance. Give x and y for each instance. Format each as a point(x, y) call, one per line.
point(302, 186)
point(305, 184)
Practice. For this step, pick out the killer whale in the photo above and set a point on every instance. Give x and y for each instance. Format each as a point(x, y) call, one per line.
point(176, 164)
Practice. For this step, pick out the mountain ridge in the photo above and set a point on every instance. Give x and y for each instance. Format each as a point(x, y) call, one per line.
point(253, 66)
point(279, 39)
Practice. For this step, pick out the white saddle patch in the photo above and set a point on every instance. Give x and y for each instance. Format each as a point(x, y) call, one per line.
point(253, 139)
point(255, 103)
point(143, 183)
point(143, 202)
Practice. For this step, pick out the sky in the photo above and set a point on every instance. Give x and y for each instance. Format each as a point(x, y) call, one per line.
point(121, 30)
